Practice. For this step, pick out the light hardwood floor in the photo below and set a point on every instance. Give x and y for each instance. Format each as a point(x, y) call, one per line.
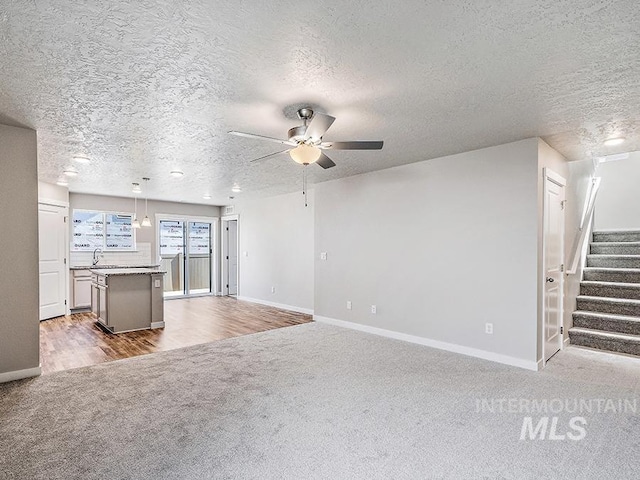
point(76, 341)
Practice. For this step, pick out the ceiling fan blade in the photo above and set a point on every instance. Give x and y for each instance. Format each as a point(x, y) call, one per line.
point(270, 155)
point(325, 162)
point(352, 145)
point(262, 137)
point(319, 124)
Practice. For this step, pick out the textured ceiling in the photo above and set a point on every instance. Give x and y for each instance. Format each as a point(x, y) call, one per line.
point(149, 86)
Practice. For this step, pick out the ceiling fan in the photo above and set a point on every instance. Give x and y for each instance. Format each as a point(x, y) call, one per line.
point(305, 141)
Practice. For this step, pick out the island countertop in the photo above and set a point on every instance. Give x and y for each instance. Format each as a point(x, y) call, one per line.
point(126, 271)
point(101, 267)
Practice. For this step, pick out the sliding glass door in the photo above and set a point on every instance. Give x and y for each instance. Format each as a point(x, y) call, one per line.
point(199, 258)
point(186, 254)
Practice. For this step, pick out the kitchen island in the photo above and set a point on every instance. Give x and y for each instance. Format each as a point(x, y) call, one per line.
point(126, 299)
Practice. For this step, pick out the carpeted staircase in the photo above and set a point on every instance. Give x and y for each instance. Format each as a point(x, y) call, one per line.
point(608, 307)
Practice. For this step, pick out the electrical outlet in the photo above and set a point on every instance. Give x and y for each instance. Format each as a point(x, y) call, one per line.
point(246, 254)
point(374, 309)
point(348, 304)
point(273, 289)
point(488, 328)
point(323, 255)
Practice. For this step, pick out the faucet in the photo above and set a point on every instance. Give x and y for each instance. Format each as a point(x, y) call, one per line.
point(97, 253)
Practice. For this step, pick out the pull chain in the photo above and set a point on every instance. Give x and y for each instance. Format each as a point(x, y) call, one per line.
point(304, 184)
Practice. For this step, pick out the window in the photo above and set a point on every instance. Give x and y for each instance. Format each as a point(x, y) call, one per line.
point(105, 230)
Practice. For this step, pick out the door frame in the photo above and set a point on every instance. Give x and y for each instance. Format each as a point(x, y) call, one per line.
point(224, 274)
point(550, 176)
point(67, 248)
point(215, 260)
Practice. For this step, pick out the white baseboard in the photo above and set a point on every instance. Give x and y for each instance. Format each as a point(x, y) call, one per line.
point(450, 347)
point(157, 325)
point(277, 305)
point(20, 374)
point(567, 342)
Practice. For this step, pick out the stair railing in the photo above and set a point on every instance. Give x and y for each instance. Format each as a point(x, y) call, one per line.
point(581, 244)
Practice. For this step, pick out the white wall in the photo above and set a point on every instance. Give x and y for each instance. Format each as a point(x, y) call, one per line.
point(51, 192)
point(277, 235)
point(19, 323)
point(618, 201)
point(440, 247)
point(579, 180)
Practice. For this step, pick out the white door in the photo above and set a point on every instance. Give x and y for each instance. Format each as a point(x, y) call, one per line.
point(553, 262)
point(233, 257)
point(52, 247)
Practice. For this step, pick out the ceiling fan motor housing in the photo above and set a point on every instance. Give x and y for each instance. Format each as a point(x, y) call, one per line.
point(296, 134)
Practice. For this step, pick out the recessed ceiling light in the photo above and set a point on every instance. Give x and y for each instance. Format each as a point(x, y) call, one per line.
point(62, 181)
point(70, 172)
point(236, 189)
point(610, 142)
point(83, 160)
point(206, 196)
point(177, 173)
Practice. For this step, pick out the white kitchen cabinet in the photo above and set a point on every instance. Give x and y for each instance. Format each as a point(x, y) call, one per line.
point(81, 295)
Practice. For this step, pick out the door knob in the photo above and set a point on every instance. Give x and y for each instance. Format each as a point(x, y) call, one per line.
point(550, 280)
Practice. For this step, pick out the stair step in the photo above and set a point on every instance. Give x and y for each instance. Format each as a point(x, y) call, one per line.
point(610, 341)
point(615, 248)
point(613, 261)
point(610, 289)
point(615, 306)
point(612, 323)
point(623, 275)
point(616, 236)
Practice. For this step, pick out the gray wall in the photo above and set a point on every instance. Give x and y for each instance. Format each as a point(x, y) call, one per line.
point(277, 234)
point(440, 247)
point(19, 325)
point(122, 204)
point(618, 201)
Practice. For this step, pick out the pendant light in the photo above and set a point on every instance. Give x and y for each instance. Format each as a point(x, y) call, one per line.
point(145, 221)
point(136, 191)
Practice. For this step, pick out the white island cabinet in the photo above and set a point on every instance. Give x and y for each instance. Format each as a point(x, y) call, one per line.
point(126, 299)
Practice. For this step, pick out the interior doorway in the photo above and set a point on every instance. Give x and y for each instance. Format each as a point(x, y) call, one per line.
point(52, 228)
point(553, 263)
point(230, 242)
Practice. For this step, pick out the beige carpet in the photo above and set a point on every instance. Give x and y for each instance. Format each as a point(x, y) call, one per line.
point(314, 401)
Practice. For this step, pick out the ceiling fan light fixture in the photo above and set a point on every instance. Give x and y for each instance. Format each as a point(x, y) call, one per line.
point(305, 154)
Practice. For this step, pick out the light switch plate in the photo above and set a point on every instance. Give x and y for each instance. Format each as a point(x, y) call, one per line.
point(156, 283)
point(323, 255)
